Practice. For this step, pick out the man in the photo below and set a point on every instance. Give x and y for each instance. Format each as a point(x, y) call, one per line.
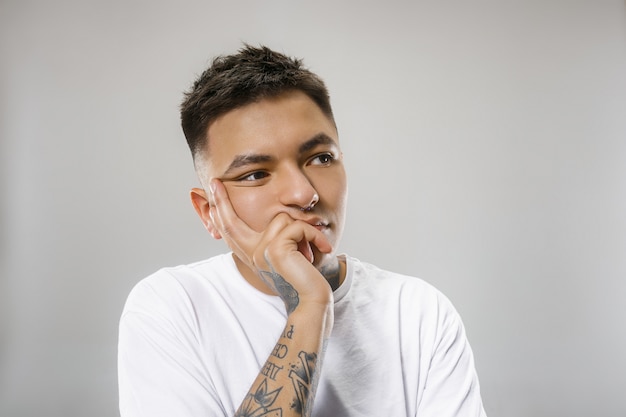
point(283, 325)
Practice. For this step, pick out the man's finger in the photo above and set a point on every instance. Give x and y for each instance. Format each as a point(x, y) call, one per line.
point(234, 230)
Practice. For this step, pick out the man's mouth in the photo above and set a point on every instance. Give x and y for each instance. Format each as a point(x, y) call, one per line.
point(318, 224)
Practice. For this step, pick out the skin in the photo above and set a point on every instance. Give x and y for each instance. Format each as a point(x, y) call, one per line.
point(264, 163)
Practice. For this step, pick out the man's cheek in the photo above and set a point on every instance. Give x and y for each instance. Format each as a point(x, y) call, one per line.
point(250, 208)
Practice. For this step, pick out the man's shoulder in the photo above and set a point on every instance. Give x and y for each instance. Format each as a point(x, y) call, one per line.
point(381, 282)
point(370, 273)
point(169, 284)
point(214, 265)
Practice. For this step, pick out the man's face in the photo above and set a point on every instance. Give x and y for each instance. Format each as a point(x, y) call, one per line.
point(274, 156)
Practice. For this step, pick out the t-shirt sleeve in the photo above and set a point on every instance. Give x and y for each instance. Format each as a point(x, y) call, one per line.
point(159, 371)
point(452, 387)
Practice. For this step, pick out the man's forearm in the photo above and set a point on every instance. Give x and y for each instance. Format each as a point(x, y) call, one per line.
point(287, 382)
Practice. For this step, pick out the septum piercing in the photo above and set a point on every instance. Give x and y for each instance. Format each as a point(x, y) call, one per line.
point(314, 201)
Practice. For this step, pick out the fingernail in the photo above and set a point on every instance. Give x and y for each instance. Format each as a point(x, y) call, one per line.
point(212, 186)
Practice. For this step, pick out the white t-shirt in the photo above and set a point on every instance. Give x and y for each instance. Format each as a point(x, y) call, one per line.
point(193, 339)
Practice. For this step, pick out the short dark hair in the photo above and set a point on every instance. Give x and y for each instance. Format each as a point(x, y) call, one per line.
point(233, 81)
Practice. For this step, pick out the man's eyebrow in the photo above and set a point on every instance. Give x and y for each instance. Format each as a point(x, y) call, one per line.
point(247, 159)
point(319, 139)
point(251, 159)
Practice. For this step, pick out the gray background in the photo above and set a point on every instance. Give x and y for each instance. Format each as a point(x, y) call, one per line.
point(486, 152)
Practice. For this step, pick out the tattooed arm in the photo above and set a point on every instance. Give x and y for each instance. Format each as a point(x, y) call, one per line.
point(280, 260)
point(286, 384)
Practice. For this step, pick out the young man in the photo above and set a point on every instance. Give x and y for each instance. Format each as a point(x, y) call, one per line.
point(283, 325)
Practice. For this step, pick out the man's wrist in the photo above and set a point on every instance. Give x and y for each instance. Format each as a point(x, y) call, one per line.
point(314, 314)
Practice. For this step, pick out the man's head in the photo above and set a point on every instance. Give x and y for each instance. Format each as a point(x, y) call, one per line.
point(262, 125)
point(236, 80)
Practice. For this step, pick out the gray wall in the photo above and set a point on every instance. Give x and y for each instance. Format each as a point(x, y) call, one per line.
point(486, 149)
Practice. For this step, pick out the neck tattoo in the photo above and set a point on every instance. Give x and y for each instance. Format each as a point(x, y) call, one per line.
point(332, 273)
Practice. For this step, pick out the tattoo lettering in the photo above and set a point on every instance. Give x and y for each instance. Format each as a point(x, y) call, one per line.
point(288, 333)
point(270, 370)
point(304, 381)
point(280, 351)
point(258, 405)
point(285, 290)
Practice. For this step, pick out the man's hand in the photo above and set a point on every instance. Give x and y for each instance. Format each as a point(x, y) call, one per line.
point(281, 255)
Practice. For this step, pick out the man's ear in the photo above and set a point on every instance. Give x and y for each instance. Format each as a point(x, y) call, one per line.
point(202, 205)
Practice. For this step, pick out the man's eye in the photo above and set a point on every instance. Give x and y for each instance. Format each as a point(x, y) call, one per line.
point(323, 159)
point(254, 176)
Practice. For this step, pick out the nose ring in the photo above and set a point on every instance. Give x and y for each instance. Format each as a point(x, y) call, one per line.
point(313, 202)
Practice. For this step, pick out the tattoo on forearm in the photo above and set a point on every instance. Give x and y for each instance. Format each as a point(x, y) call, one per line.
point(280, 351)
point(285, 290)
point(304, 380)
point(288, 333)
point(258, 405)
point(270, 370)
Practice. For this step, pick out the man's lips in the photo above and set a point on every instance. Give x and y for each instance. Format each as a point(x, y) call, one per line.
point(318, 223)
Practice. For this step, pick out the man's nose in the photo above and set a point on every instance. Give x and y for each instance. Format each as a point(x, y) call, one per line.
point(297, 190)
